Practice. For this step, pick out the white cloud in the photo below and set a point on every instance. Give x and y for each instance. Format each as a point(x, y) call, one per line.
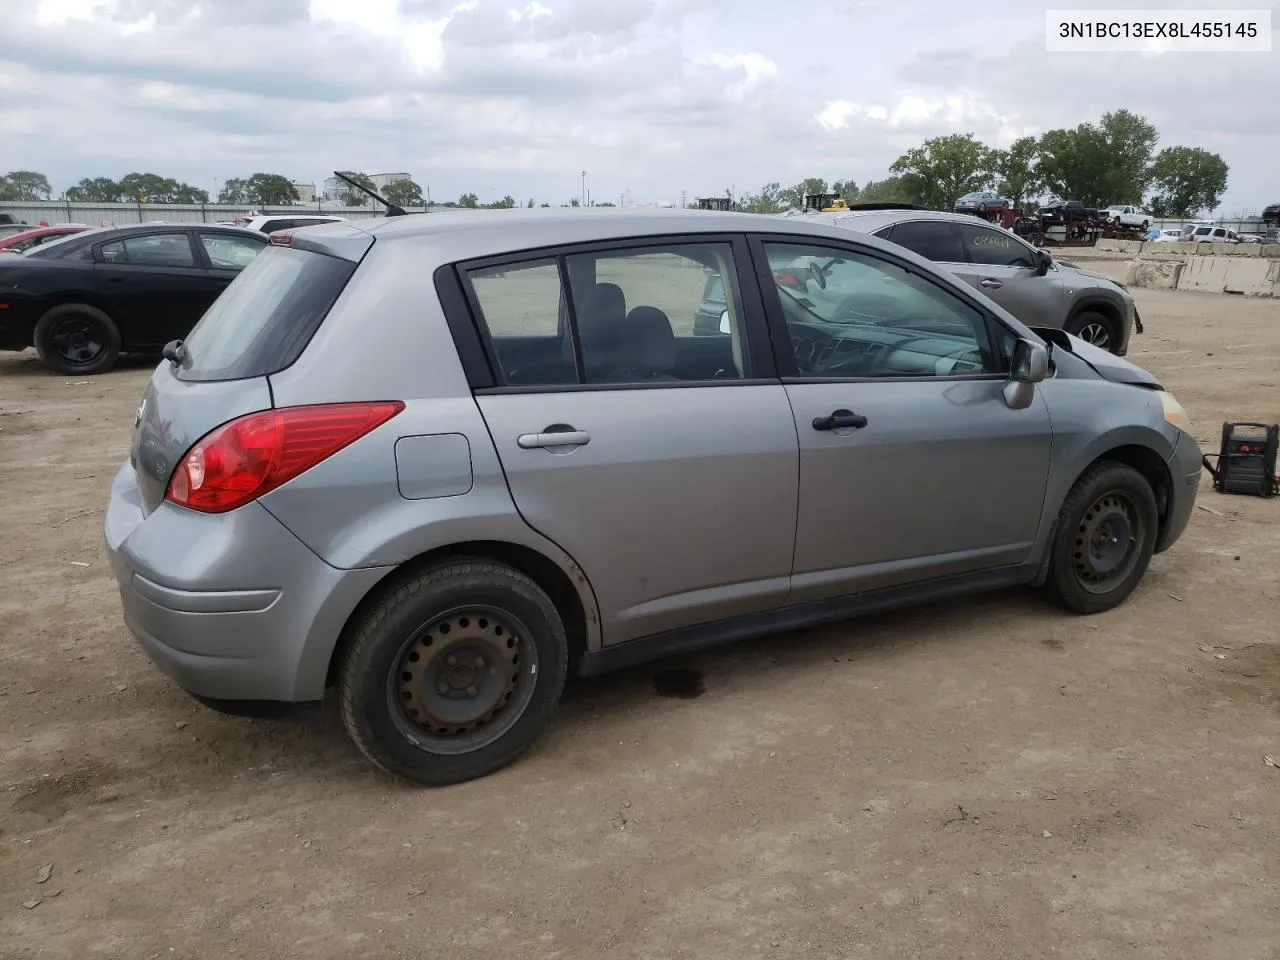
point(518, 96)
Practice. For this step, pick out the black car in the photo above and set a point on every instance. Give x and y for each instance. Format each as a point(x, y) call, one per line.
point(1271, 214)
point(83, 300)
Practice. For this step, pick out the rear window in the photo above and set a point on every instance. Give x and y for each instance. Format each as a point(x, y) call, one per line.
point(267, 315)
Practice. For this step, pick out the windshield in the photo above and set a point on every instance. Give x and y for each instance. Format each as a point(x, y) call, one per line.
point(267, 315)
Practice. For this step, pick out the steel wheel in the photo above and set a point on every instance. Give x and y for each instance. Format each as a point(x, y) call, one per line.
point(77, 341)
point(1107, 543)
point(461, 681)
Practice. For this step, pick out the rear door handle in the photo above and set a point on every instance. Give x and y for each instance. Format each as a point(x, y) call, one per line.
point(990, 284)
point(553, 436)
point(840, 420)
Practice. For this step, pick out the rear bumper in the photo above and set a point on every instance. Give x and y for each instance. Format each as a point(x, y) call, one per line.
point(230, 607)
point(1184, 469)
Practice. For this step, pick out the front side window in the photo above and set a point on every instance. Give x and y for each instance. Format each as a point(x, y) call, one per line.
point(639, 315)
point(864, 317)
point(997, 248)
point(154, 250)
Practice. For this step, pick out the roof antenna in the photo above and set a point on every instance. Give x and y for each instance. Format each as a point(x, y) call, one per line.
point(393, 209)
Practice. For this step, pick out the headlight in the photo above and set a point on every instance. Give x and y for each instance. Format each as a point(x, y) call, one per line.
point(1173, 412)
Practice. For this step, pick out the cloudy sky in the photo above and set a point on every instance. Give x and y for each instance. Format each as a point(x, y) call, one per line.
point(654, 97)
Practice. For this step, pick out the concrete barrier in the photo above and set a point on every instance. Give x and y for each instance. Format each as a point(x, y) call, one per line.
point(1252, 277)
point(1155, 274)
point(1246, 276)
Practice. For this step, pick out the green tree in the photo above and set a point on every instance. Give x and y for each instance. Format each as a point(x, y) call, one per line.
point(153, 188)
point(888, 190)
point(404, 193)
point(574, 202)
point(530, 204)
point(1186, 181)
point(847, 189)
point(943, 169)
point(234, 191)
point(768, 200)
point(270, 190)
point(24, 185)
point(794, 195)
point(1099, 164)
point(94, 190)
point(469, 200)
point(1017, 170)
point(349, 195)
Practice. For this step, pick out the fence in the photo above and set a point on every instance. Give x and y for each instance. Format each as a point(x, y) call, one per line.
point(119, 214)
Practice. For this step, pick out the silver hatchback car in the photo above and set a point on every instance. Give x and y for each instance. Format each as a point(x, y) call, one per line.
point(437, 462)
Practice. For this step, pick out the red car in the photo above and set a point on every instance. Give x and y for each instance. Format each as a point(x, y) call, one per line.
point(19, 242)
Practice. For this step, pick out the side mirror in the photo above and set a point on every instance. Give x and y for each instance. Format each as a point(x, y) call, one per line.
point(1044, 260)
point(725, 328)
point(1030, 366)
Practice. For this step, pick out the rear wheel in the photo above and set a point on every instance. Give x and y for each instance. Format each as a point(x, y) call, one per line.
point(454, 672)
point(1095, 328)
point(1104, 539)
point(77, 339)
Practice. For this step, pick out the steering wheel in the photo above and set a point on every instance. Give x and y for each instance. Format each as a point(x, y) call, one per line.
point(819, 277)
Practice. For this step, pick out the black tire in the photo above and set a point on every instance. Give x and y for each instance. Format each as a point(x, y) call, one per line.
point(420, 715)
point(1104, 539)
point(982, 209)
point(77, 339)
point(1095, 328)
point(1145, 224)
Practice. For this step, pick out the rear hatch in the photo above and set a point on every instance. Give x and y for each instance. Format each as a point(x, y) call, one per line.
point(258, 326)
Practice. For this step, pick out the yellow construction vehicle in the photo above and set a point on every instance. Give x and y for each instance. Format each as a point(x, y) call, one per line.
point(825, 202)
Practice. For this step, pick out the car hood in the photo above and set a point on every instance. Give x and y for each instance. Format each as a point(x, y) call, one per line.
point(1080, 271)
point(1103, 362)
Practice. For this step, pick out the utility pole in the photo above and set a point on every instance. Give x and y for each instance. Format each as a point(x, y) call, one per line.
point(582, 195)
point(682, 202)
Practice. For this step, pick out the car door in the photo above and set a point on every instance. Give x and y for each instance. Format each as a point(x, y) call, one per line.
point(912, 465)
point(1003, 267)
point(665, 464)
point(154, 285)
point(225, 254)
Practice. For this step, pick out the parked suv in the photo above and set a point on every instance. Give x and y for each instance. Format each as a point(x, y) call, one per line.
point(438, 462)
point(1027, 281)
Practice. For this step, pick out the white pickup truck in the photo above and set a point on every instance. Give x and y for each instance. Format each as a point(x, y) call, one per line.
point(1127, 216)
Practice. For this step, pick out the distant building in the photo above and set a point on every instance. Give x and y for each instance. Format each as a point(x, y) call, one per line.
point(306, 191)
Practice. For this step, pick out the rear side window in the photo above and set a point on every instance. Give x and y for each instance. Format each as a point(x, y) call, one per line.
point(157, 250)
point(267, 315)
point(935, 240)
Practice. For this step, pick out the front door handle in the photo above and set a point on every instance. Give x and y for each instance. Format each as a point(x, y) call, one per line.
point(840, 420)
point(990, 284)
point(556, 435)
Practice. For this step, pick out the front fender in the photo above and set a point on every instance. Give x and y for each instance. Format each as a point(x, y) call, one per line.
point(1091, 419)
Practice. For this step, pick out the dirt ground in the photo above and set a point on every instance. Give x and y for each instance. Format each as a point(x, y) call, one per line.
point(987, 779)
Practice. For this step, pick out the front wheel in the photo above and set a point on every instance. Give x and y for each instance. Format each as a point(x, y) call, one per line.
point(1104, 539)
point(454, 672)
point(1094, 328)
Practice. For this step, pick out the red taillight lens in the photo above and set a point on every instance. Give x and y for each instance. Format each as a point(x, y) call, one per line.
point(281, 238)
point(245, 458)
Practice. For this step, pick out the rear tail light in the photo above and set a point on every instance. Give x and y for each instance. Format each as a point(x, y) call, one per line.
point(245, 458)
point(281, 238)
